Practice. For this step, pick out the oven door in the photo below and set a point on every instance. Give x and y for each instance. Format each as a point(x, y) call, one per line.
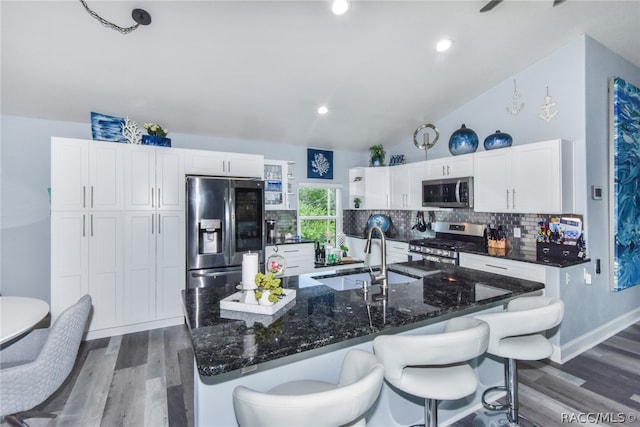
point(448, 193)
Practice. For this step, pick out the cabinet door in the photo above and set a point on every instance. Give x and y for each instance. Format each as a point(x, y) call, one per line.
point(492, 175)
point(139, 179)
point(139, 303)
point(69, 174)
point(202, 162)
point(170, 264)
point(400, 186)
point(69, 259)
point(536, 178)
point(245, 165)
point(376, 180)
point(275, 185)
point(417, 173)
point(106, 268)
point(450, 167)
point(106, 172)
point(170, 181)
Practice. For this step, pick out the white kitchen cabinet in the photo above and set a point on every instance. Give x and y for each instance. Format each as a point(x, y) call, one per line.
point(371, 186)
point(450, 167)
point(154, 178)
point(504, 267)
point(299, 257)
point(216, 163)
point(397, 251)
point(532, 178)
point(86, 257)
point(278, 188)
point(86, 174)
point(131, 262)
point(406, 185)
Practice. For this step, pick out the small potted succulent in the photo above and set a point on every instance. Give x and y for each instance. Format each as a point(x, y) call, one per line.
point(269, 290)
point(356, 202)
point(156, 135)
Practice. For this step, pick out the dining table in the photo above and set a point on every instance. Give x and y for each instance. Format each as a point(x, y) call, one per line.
point(19, 315)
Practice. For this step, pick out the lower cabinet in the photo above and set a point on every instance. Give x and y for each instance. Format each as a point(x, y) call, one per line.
point(505, 267)
point(299, 257)
point(131, 263)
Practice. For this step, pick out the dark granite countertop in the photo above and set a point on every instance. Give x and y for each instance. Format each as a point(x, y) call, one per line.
point(528, 256)
point(322, 320)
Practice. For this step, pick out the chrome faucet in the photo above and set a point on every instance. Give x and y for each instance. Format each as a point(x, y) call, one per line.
point(382, 277)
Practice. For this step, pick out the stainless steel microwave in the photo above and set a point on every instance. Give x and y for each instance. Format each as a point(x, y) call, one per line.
point(448, 193)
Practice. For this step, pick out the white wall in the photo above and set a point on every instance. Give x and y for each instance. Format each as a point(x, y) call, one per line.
point(25, 162)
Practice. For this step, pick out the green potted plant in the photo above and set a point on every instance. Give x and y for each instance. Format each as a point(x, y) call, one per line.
point(157, 135)
point(344, 250)
point(356, 202)
point(377, 155)
point(269, 290)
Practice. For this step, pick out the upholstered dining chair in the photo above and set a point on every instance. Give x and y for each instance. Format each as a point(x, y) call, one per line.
point(317, 403)
point(34, 367)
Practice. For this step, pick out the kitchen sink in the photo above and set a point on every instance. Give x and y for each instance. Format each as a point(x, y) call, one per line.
point(354, 281)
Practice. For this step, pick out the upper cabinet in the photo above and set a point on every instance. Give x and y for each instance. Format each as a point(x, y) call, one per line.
point(154, 178)
point(371, 186)
point(406, 185)
point(450, 167)
point(86, 175)
point(278, 185)
point(216, 163)
point(531, 178)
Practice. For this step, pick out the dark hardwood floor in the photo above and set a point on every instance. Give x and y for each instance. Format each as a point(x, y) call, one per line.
point(146, 379)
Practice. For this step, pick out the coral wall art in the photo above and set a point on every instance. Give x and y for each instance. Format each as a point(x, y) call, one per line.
point(319, 164)
point(624, 184)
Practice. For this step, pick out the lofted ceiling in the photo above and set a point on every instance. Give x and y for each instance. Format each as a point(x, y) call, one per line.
point(259, 70)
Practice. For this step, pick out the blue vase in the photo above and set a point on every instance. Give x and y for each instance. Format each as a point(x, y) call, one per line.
point(498, 140)
point(156, 140)
point(463, 141)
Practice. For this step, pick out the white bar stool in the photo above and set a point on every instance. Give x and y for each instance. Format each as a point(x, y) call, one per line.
point(435, 366)
point(317, 403)
point(518, 334)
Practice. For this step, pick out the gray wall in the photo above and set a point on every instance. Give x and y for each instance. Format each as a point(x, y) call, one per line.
point(26, 156)
point(577, 76)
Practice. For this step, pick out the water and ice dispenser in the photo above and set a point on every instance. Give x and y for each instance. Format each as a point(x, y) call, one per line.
point(210, 236)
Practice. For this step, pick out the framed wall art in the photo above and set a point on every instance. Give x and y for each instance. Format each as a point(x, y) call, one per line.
point(319, 164)
point(624, 184)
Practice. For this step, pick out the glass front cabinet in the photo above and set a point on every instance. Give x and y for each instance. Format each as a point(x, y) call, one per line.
point(278, 185)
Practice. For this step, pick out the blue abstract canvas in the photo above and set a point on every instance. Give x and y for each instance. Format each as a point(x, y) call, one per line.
point(624, 164)
point(319, 164)
point(107, 128)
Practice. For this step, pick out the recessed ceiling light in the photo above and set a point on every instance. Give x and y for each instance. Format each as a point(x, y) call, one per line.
point(339, 7)
point(322, 110)
point(443, 45)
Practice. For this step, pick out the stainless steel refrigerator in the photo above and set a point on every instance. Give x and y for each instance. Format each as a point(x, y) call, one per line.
point(225, 219)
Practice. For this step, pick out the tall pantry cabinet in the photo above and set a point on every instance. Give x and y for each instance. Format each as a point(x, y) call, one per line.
point(117, 232)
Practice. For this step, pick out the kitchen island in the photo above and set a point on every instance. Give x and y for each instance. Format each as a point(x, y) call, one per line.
point(308, 338)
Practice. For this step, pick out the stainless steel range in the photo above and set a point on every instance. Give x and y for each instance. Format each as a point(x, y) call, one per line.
point(451, 237)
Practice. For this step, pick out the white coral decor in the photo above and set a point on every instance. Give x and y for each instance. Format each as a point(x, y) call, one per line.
point(131, 132)
point(320, 164)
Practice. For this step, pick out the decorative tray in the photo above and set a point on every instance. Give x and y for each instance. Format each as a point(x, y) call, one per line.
point(234, 303)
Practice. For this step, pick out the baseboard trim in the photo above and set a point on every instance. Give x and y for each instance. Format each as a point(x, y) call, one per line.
point(577, 346)
point(138, 327)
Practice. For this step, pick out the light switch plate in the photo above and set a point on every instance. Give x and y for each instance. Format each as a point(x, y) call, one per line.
point(517, 233)
point(596, 192)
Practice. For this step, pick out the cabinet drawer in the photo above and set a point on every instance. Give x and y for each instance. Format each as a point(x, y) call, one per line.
point(505, 267)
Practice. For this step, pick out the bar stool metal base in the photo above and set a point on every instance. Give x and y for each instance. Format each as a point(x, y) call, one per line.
point(511, 387)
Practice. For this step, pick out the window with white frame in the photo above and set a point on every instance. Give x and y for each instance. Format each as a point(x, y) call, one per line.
point(319, 211)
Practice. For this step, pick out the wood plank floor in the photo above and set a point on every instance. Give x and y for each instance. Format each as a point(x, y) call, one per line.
point(146, 379)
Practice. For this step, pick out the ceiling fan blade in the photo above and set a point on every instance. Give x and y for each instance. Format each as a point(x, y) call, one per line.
point(557, 2)
point(493, 3)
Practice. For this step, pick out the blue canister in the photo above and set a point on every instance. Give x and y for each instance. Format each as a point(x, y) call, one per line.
point(463, 141)
point(498, 140)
